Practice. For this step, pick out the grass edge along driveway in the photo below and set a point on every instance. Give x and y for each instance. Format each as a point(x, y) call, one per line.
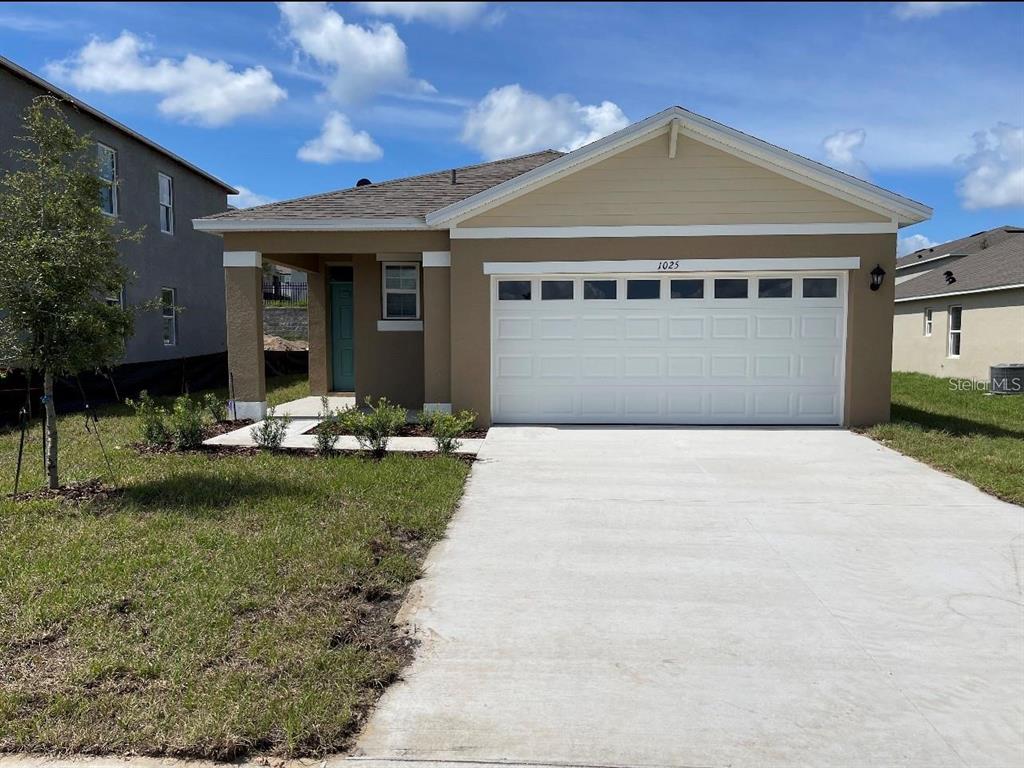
point(212, 606)
point(960, 430)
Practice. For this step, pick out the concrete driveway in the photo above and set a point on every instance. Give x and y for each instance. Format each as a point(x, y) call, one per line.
point(714, 597)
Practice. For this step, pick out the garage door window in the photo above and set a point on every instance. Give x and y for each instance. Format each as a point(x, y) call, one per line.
point(727, 288)
point(775, 288)
point(819, 287)
point(556, 290)
point(687, 289)
point(643, 289)
point(599, 289)
point(513, 290)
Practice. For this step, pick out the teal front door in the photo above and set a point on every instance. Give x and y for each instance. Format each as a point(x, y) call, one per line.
point(343, 358)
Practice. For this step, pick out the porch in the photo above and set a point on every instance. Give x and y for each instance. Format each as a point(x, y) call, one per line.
point(378, 317)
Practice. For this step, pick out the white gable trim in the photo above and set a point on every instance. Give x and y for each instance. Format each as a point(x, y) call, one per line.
point(902, 210)
point(692, 230)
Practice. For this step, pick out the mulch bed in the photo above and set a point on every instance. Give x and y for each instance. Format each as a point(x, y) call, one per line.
point(416, 430)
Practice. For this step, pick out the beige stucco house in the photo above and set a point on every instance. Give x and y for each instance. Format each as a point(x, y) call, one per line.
point(960, 306)
point(676, 272)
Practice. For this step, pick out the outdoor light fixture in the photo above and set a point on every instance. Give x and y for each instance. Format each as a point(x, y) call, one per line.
point(877, 276)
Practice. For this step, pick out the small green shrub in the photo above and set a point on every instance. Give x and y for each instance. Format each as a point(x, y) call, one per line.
point(152, 420)
point(269, 433)
point(187, 423)
point(447, 428)
point(217, 408)
point(327, 431)
point(375, 427)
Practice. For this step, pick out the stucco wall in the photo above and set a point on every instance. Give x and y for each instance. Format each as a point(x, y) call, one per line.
point(869, 339)
point(188, 261)
point(992, 332)
point(642, 185)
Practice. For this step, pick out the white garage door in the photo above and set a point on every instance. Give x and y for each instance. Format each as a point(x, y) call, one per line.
point(739, 348)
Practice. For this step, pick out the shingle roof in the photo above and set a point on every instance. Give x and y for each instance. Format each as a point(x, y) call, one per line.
point(414, 196)
point(988, 260)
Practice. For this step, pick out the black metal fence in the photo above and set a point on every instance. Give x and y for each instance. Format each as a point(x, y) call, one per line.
point(277, 293)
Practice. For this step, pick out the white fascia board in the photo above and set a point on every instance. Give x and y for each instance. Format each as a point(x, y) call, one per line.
point(960, 293)
point(641, 266)
point(694, 230)
point(308, 225)
point(243, 259)
point(903, 210)
point(910, 264)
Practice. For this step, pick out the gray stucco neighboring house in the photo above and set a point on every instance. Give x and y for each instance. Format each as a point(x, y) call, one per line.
point(960, 306)
point(157, 190)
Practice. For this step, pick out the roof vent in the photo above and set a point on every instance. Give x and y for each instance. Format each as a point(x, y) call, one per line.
point(949, 277)
point(363, 183)
point(453, 176)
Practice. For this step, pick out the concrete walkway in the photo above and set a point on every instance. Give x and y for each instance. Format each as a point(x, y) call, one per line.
point(713, 597)
point(305, 414)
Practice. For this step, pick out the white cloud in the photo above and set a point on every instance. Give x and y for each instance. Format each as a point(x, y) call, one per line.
point(246, 198)
point(194, 89)
point(995, 170)
point(512, 121)
point(339, 141)
point(359, 61)
point(912, 243)
point(905, 11)
point(842, 150)
point(446, 14)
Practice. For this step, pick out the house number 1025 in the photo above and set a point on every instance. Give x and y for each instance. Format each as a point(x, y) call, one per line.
point(664, 266)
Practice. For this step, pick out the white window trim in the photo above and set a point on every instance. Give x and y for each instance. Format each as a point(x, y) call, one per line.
point(949, 331)
point(114, 197)
point(929, 321)
point(173, 316)
point(384, 290)
point(160, 205)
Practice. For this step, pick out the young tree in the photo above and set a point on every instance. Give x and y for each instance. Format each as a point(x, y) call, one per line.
point(58, 261)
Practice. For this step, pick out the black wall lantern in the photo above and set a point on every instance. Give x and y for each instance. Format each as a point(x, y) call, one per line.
point(877, 276)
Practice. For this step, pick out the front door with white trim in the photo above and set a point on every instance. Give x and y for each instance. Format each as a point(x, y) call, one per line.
point(685, 348)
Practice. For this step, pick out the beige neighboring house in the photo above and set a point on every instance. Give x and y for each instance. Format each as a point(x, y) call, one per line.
point(960, 306)
point(676, 272)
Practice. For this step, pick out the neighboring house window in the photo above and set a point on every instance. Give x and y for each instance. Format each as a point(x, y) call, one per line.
point(108, 178)
point(116, 298)
point(927, 322)
point(169, 315)
point(401, 283)
point(955, 320)
point(166, 203)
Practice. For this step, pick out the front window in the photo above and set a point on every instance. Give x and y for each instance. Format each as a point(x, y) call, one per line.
point(401, 291)
point(955, 319)
point(169, 315)
point(927, 322)
point(166, 184)
point(108, 179)
point(116, 298)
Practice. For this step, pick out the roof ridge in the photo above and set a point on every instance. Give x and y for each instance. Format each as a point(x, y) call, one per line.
point(386, 182)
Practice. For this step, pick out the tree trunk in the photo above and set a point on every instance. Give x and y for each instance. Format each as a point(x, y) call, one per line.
point(50, 414)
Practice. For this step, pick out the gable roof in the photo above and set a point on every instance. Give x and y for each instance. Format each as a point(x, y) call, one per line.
point(676, 119)
point(63, 95)
point(987, 260)
point(431, 201)
point(402, 203)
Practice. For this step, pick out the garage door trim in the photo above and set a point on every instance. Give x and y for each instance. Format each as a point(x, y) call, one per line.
point(668, 266)
point(842, 289)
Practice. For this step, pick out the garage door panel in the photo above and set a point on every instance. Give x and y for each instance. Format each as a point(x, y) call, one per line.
point(682, 360)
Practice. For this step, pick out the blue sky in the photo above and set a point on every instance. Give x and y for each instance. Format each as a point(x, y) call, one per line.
point(926, 99)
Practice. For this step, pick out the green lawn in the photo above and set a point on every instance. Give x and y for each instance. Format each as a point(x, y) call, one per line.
point(213, 606)
point(976, 437)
